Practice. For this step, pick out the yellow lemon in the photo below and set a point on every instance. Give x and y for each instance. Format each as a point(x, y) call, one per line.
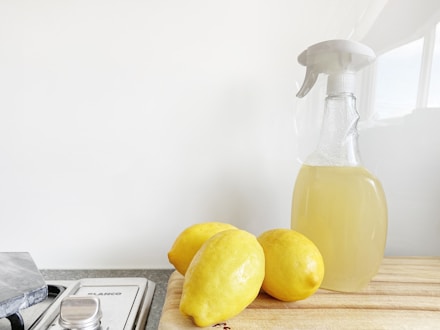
point(294, 265)
point(224, 277)
point(190, 240)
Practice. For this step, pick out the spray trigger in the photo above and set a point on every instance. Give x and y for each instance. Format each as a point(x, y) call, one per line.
point(340, 59)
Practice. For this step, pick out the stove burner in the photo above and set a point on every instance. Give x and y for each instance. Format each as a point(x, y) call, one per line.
point(82, 313)
point(123, 303)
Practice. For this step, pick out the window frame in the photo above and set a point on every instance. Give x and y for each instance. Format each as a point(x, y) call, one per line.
point(369, 79)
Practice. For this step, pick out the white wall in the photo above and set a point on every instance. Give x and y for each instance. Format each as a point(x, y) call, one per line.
point(123, 122)
point(405, 154)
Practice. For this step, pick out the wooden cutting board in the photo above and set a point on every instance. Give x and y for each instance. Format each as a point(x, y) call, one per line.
point(405, 294)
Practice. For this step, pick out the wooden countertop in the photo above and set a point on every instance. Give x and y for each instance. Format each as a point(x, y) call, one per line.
point(405, 294)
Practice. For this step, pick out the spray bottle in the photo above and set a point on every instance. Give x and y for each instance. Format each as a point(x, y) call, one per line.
point(337, 202)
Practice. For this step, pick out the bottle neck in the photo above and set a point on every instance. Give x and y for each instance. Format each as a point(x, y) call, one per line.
point(338, 145)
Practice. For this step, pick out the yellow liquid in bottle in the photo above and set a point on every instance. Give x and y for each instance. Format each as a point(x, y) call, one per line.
point(343, 211)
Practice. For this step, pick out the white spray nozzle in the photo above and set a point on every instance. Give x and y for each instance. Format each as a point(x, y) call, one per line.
point(340, 59)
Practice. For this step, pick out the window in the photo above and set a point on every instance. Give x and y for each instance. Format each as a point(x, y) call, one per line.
point(434, 86)
point(408, 77)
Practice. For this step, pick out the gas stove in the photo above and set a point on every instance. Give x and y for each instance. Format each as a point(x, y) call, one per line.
point(88, 304)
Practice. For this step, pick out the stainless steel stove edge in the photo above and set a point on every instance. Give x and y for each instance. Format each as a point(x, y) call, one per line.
point(139, 312)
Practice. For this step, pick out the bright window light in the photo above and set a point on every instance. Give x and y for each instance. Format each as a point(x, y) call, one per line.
point(397, 80)
point(408, 77)
point(434, 88)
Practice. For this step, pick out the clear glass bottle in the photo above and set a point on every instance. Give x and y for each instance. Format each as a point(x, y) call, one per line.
point(337, 202)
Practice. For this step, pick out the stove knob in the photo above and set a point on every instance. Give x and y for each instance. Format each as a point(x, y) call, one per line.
point(80, 313)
